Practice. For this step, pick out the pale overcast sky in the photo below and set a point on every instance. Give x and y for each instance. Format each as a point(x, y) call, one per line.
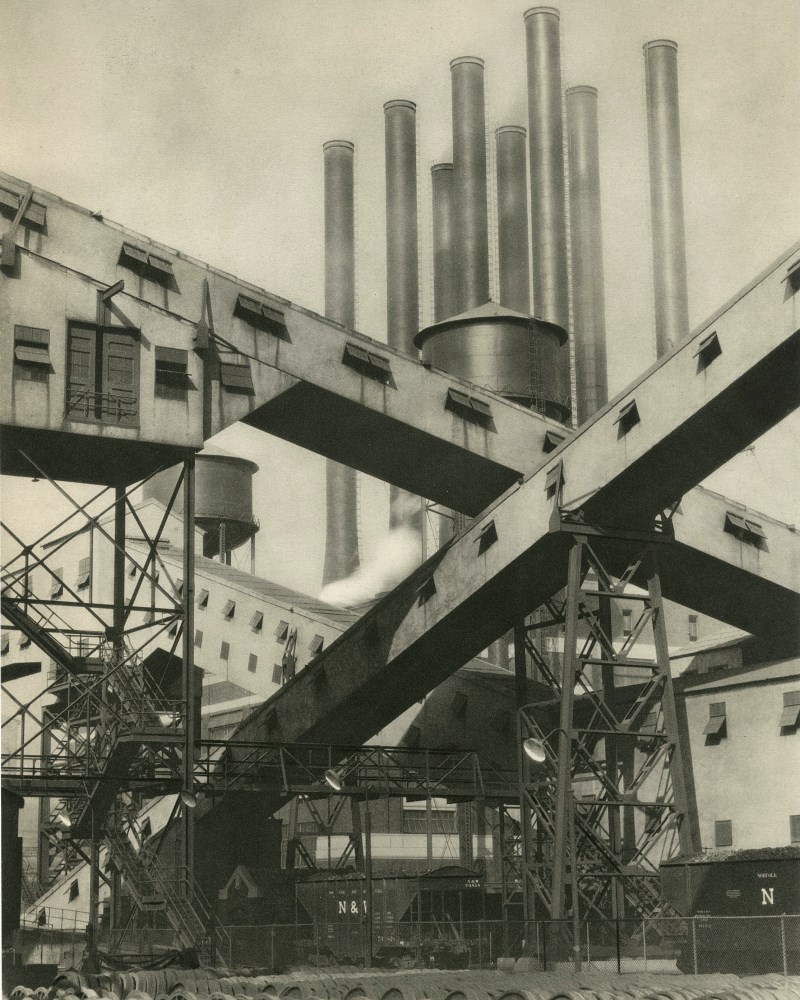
point(201, 124)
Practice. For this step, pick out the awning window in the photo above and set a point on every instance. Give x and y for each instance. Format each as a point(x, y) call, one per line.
point(229, 610)
point(146, 263)
point(716, 725)
point(552, 440)
point(708, 350)
point(281, 631)
point(32, 353)
point(487, 536)
point(202, 599)
point(56, 584)
point(628, 417)
point(743, 527)
point(469, 407)
point(316, 644)
point(235, 374)
point(259, 314)
point(172, 373)
point(426, 591)
point(791, 710)
point(367, 363)
point(35, 214)
point(554, 480)
point(257, 621)
point(84, 573)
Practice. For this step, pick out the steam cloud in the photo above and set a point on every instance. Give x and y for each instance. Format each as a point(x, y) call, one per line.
point(395, 556)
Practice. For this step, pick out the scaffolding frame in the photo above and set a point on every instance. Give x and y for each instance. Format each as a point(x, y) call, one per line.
point(101, 723)
point(608, 750)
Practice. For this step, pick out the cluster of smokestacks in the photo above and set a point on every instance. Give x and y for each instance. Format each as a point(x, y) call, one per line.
point(461, 230)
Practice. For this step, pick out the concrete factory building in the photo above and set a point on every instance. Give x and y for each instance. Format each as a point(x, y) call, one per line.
point(583, 676)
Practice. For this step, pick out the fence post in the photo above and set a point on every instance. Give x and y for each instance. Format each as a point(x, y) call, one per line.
point(619, 946)
point(644, 943)
point(783, 945)
point(694, 943)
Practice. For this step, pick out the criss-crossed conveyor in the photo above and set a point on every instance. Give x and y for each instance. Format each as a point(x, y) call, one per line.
point(700, 405)
point(696, 408)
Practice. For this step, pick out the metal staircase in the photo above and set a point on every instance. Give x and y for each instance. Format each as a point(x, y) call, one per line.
point(109, 708)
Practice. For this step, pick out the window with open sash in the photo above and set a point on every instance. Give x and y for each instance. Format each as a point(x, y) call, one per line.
point(103, 381)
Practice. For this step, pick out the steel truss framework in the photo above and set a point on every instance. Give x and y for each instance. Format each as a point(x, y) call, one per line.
point(102, 726)
point(608, 738)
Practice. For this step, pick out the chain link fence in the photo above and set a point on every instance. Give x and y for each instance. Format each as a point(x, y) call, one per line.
point(741, 945)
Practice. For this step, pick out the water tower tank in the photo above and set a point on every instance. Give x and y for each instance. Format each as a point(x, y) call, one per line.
point(223, 497)
point(507, 352)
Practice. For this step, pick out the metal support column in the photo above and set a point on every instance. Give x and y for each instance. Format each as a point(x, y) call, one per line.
point(368, 876)
point(564, 786)
point(189, 694)
point(93, 928)
point(612, 753)
point(687, 828)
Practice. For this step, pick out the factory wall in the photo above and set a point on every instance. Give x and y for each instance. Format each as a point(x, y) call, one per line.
point(746, 771)
point(59, 311)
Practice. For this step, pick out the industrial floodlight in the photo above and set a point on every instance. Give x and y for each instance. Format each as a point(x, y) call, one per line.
point(63, 820)
point(334, 779)
point(188, 799)
point(534, 750)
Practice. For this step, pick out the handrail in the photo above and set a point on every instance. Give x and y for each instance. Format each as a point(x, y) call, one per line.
point(125, 406)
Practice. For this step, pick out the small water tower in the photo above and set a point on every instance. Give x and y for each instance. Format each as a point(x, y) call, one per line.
point(504, 351)
point(223, 501)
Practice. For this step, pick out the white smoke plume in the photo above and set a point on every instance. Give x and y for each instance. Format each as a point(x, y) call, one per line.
point(395, 556)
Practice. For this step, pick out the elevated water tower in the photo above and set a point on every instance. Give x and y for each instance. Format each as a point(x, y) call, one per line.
point(223, 501)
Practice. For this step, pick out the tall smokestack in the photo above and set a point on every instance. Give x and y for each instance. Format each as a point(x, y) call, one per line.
point(402, 270)
point(548, 204)
point(666, 193)
point(512, 218)
point(402, 277)
point(445, 292)
point(588, 296)
point(341, 543)
point(471, 226)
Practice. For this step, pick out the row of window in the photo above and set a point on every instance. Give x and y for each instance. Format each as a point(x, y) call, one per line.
point(723, 832)
point(281, 672)
point(716, 729)
point(282, 629)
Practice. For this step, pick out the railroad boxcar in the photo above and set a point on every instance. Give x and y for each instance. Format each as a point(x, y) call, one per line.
point(414, 915)
point(738, 885)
